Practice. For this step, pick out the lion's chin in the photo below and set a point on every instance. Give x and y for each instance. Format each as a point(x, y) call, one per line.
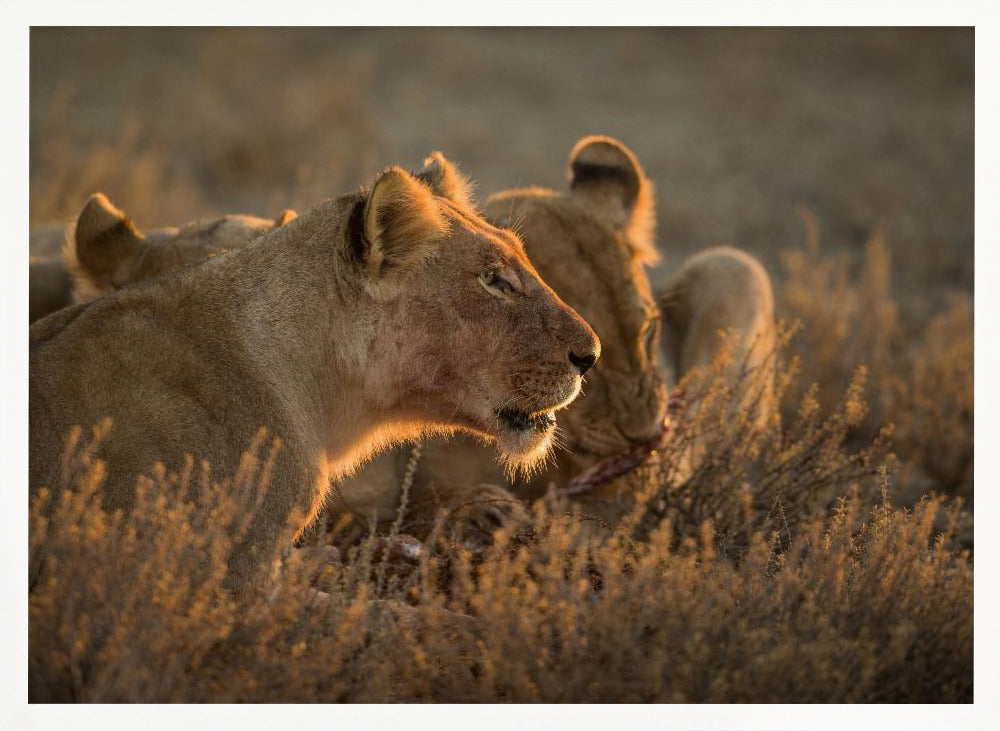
point(524, 444)
point(524, 439)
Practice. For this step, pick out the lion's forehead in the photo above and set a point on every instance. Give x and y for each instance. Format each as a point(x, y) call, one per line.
point(591, 268)
point(473, 223)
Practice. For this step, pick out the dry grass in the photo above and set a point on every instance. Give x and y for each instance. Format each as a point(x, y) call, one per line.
point(749, 480)
point(773, 576)
point(921, 378)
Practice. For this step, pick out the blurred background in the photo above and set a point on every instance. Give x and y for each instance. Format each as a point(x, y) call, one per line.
point(867, 128)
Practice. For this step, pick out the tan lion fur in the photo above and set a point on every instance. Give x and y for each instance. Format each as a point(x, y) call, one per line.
point(108, 251)
point(297, 332)
point(50, 286)
point(718, 293)
point(65, 268)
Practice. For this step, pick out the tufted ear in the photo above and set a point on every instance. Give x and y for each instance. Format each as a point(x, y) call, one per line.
point(106, 247)
point(444, 178)
point(286, 215)
point(402, 221)
point(607, 176)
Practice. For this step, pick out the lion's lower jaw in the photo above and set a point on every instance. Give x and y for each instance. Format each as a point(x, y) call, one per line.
point(524, 452)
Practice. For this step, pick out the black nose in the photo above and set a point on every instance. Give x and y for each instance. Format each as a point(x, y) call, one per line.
point(583, 363)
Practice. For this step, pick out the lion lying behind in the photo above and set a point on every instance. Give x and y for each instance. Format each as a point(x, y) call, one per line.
point(105, 251)
point(375, 317)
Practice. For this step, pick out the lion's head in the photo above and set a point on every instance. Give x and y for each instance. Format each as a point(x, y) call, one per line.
point(592, 244)
point(107, 251)
point(479, 331)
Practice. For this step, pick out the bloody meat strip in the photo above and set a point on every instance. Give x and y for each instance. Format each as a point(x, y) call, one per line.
point(611, 468)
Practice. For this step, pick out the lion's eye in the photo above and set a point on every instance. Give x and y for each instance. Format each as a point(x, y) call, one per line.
point(494, 281)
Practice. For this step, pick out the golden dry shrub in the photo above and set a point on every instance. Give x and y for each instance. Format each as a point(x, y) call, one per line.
point(920, 375)
point(842, 615)
point(118, 607)
point(128, 164)
point(847, 317)
point(722, 464)
point(843, 601)
point(932, 400)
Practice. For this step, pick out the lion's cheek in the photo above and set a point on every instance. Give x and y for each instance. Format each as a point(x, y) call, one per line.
point(423, 361)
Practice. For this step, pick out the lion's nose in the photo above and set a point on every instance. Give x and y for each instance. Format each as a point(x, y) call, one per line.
point(583, 363)
point(583, 347)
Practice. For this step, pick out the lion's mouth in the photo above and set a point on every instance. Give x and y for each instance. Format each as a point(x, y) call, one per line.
point(618, 465)
point(523, 421)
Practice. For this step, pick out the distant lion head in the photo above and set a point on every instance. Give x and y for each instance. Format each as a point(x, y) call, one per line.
point(592, 244)
point(108, 251)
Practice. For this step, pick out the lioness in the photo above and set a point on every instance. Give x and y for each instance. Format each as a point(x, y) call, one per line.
point(96, 257)
point(375, 317)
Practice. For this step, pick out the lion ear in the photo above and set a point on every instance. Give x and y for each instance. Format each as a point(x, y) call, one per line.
point(608, 177)
point(444, 178)
point(402, 220)
point(286, 215)
point(106, 247)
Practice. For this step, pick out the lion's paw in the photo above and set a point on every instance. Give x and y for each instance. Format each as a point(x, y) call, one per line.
point(478, 513)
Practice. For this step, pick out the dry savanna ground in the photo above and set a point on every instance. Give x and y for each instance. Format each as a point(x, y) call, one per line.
point(831, 561)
